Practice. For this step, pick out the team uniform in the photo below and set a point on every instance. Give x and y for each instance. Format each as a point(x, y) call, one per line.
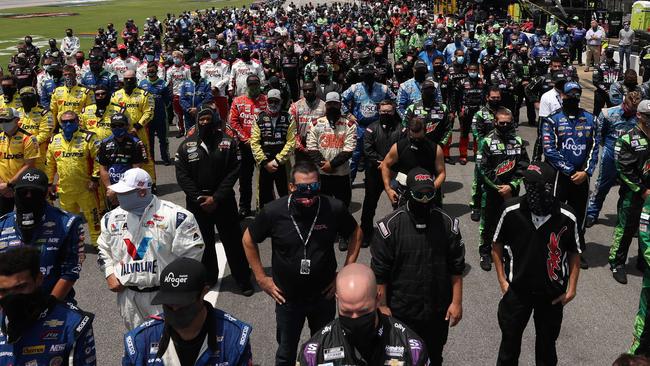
point(193, 95)
point(175, 75)
point(640, 345)
point(118, 157)
point(158, 126)
point(39, 123)
point(105, 78)
point(62, 335)
point(73, 99)
point(119, 66)
point(396, 345)
point(303, 115)
point(135, 249)
point(217, 72)
point(14, 151)
point(239, 72)
point(74, 163)
point(60, 239)
point(96, 121)
point(482, 125)
point(227, 342)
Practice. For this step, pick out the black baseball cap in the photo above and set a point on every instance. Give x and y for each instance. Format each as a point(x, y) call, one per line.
point(120, 118)
point(32, 178)
point(420, 180)
point(539, 172)
point(181, 282)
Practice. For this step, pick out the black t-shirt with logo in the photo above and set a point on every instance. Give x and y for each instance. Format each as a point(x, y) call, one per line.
point(274, 221)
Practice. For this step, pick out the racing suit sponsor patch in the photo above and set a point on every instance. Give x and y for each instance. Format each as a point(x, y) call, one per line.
point(383, 230)
point(334, 353)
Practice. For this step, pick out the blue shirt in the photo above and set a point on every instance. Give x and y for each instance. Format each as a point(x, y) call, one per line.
point(362, 103)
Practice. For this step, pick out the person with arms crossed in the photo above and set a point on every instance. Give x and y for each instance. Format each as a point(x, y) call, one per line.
point(303, 228)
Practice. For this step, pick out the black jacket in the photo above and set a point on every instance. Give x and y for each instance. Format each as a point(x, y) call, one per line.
point(378, 139)
point(416, 265)
point(395, 342)
point(203, 170)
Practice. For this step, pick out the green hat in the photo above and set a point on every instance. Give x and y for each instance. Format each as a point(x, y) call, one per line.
point(419, 27)
point(27, 90)
point(404, 32)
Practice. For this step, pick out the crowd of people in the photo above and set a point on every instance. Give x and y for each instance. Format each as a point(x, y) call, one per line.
point(309, 96)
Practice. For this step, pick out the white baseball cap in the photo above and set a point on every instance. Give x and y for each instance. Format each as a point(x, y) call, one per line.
point(135, 178)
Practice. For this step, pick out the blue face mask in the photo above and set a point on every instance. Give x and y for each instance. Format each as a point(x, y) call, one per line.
point(69, 129)
point(177, 61)
point(119, 132)
point(113, 54)
point(214, 56)
point(460, 59)
point(149, 58)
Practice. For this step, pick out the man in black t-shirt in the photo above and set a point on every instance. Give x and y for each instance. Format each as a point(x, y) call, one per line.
point(303, 228)
point(540, 235)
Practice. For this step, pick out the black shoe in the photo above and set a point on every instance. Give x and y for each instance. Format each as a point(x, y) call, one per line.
point(343, 244)
point(167, 162)
point(462, 161)
point(619, 274)
point(365, 244)
point(246, 289)
point(475, 215)
point(449, 161)
point(486, 263)
point(180, 134)
point(583, 263)
point(154, 189)
point(591, 221)
point(244, 213)
point(640, 264)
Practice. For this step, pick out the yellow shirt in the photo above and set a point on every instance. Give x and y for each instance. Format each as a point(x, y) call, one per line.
point(14, 151)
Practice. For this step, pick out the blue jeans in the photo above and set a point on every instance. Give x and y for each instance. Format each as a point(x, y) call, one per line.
point(357, 154)
point(624, 55)
point(290, 317)
point(606, 180)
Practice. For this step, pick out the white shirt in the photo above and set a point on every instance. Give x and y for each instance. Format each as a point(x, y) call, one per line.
point(550, 102)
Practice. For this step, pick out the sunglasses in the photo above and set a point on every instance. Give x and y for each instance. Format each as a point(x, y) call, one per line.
point(423, 197)
point(307, 187)
point(64, 121)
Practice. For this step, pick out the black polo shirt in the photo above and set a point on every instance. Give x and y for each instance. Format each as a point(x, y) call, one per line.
point(274, 221)
point(538, 256)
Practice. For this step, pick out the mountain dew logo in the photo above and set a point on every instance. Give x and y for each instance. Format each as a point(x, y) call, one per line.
point(646, 167)
point(505, 167)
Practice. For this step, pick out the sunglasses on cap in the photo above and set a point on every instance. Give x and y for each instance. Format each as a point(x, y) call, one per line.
point(423, 197)
point(305, 187)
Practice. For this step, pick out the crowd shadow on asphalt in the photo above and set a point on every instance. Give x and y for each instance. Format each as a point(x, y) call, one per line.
point(167, 188)
point(597, 255)
point(456, 209)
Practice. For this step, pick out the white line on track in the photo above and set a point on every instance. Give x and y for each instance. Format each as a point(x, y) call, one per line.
point(213, 295)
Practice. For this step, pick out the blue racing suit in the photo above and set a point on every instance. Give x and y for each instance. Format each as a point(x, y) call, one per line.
point(193, 95)
point(162, 96)
point(569, 144)
point(409, 93)
point(60, 238)
point(364, 107)
point(227, 343)
point(63, 335)
point(104, 78)
point(611, 125)
point(46, 92)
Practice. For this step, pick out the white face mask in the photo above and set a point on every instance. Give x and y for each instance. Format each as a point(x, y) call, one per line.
point(9, 126)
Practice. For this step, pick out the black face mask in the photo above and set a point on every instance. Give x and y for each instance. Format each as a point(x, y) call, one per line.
point(386, 120)
point(130, 84)
point(102, 103)
point(333, 113)
point(206, 133)
point(630, 84)
point(246, 56)
point(305, 202)
point(323, 79)
point(571, 105)
point(9, 92)
point(182, 318)
point(506, 130)
point(22, 310)
point(196, 77)
point(56, 74)
point(420, 75)
point(539, 198)
point(360, 332)
point(29, 101)
point(30, 210)
point(95, 67)
point(419, 212)
point(494, 105)
point(368, 79)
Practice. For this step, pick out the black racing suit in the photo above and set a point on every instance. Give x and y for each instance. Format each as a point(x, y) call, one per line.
point(473, 90)
point(394, 343)
point(377, 141)
point(603, 77)
point(212, 170)
point(290, 63)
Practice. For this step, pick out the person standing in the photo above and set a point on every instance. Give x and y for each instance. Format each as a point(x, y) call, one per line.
point(69, 46)
point(631, 152)
point(194, 92)
point(570, 143)
point(273, 139)
point(190, 330)
point(141, 236)
point(362, 334)
point(303, 228)
point(303, 114)
point(175, 75)
point(37, 329)
point(578, 34)
point(640, 344)
point(540, 235)
point(499, 160)
point(70, 96)
point(207, 167)
point(625, 42)
point(418, 257)
point(36, 120)
point(594, 37)
point(612, 123)
point(20, 152)
point(244, 110)
point(158, 126)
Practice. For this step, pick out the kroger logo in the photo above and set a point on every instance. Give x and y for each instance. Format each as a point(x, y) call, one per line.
point(31, 177)
point(175, 281)
point(576, 149)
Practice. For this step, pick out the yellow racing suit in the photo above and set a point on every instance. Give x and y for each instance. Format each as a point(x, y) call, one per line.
point(100, 125)
point(70, 99)
point(138, 107)
point(39, 123)
point(74, 162)
point(14, 151)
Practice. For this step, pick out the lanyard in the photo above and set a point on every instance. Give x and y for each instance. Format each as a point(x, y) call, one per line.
point(311, 229)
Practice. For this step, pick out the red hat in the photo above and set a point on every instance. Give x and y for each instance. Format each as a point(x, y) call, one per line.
point(121, 47)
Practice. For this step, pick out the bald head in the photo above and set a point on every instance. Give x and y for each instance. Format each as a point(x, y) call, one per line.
point(129, 74)
point(356, 290)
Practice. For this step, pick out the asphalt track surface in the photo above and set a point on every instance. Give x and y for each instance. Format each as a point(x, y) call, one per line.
point(597, 324)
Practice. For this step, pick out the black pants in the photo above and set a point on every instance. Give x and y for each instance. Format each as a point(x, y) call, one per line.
point(268, 180)
point(246, 169)
point(337, 186)
point(575, 196)
point(227, 222)
point(514, 313)
point(531, 115)
point(290, 318)
point(490, 214)
point(601, 99)
point(433, 332)
point(373, 186)
point(575, 52)
point(6, 205)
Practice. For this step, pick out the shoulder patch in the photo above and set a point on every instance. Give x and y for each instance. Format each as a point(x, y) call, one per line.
point(383, 230)
point(455, 227)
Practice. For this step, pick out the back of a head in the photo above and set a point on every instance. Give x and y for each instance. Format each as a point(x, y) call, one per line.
point(631, 360)
point(19, 260)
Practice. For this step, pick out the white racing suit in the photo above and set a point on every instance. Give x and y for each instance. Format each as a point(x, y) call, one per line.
point(135, 250)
